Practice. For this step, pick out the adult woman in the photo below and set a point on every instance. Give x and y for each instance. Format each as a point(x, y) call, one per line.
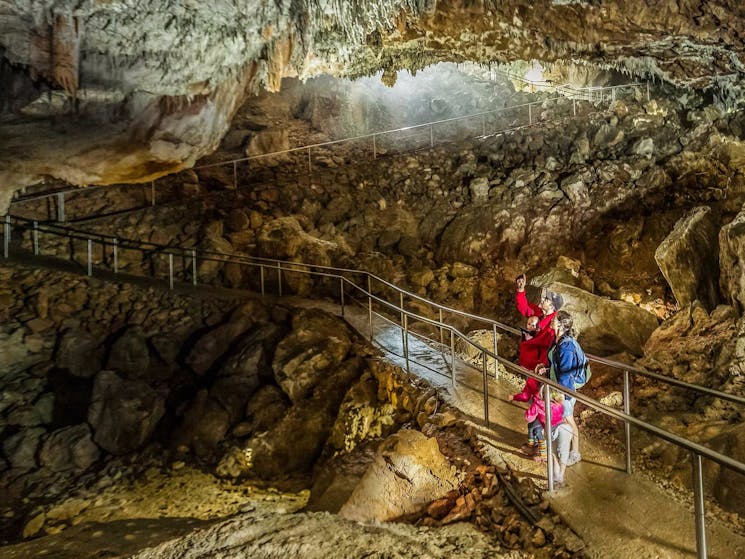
point(567, 365)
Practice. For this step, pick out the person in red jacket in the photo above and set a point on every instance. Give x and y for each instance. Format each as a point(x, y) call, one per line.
point(534, 345)
point(550, 303)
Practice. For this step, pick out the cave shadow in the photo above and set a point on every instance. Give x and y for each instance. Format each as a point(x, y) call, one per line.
point(100, 539)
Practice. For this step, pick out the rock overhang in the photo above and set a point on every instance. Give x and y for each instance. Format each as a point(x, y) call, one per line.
point(164, 80)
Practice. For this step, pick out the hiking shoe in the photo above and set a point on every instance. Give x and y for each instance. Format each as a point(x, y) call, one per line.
point(529, 449)
point(539, 457)
point(574, 457)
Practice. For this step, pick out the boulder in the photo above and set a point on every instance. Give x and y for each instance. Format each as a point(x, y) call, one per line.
point(123, 413)
point(13, 352)
point(238, 220)
point(294, 443)
point(70, 448)
point(732, 261)
point(319, 342)
point(207, 270)
point(408, 473)
point(239, 378)
point(20, 448)
point(606, 326)
point(212, 345)
point(268, 141)
point(688, 258)
point(265, 409)
point(206, 422)
point(80, 353)
point(479, 189)
point(129, 354)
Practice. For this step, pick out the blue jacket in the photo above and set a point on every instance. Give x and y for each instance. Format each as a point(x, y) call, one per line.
point(567, 361)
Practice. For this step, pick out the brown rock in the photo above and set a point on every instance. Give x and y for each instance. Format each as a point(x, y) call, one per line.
point(440, 508)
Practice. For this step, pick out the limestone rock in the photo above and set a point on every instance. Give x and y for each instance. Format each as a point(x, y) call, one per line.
point(129, 353)
point(207, 270)
point(13, 352)
point(205, 424)
point(479, 189)
point(266, 408)
point(239, 378)
point(606, 326)
point(318, 343)
point(408, 473)
point(80, 353)
point(732, 260)
point(268, 141)
point(20, 448)
point(70, 448)
point(213, 344)
point(238, 220)
point(123, 413)
point(294, 443)
point(688, 258)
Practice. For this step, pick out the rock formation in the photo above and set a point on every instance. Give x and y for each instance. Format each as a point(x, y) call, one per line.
point(138, 92)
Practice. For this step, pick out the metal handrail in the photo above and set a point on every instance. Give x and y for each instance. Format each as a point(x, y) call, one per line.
point(217, 256)
point(569, 90)
point(697, 451)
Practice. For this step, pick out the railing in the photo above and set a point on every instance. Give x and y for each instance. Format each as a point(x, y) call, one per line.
point(424, 136)
point(370, 292)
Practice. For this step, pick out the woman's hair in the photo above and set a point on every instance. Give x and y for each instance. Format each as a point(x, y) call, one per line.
point(566, 322)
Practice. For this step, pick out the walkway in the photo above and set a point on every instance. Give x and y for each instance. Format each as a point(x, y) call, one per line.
point(616, 515)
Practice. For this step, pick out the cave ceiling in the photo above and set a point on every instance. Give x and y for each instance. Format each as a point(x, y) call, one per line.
point(102, 92)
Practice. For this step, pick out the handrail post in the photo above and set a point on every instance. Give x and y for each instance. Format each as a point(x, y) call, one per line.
point(261, 278)
point(496, 369)
point(194, 266)
point(152, 193)
point(36, 238)
point(549, 436)
point(370, 307)
point(279, 279)
point(647, 91)
point(574, 106)
point(613, 94)
point(310, 168)
point(90, 257)
point(401, 305)
point(431, 135)
point(483, 125)
point(61, 207)
point(116, 255)
point(530, 114)
point(235, 175)
point(375, 147)
point(341, 295)
point(405, 332)
point(452, 358)
point(170, 270)
point(698, 504)
point(626, 424)
point(6, 236)
point(442, 333)
point(486, 390)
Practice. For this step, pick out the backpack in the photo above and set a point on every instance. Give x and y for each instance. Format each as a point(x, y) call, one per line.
point(581, 377)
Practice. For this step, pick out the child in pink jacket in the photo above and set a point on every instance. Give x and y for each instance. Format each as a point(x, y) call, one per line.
point(560, 430)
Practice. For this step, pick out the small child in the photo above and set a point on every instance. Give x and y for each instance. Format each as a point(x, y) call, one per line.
point(561, 433)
